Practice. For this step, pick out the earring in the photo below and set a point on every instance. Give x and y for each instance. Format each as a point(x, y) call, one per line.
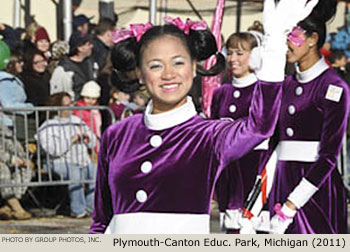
point(140, 81)
point(310, 45)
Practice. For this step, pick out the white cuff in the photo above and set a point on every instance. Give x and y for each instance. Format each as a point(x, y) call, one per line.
point(232, 218)
point(302, 193)
point(288, 211)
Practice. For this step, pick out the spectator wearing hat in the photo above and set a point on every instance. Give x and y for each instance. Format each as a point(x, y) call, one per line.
point(76, 69)
point(42, 41)
point(59, 49)
point(9, 36)
point(81, 24)
point(89, 95)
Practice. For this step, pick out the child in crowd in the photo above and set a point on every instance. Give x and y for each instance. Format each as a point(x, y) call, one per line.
point(90, 93)
point(121, 105)
point(141, 98)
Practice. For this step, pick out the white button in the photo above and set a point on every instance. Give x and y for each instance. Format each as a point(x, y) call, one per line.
point(291, 109)
point(141, 196)
point(146, 167)
point(290, 132)
point(298, 91)
point(232, 108)
point(156, 141)
point(236, 94)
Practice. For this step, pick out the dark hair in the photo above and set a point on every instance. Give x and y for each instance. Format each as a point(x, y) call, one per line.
point(29, 59)
point(55, 100)
point(316, 21)
point(127, 54)
point(336, 55)
point(11, 66)
point(123, 59)
point(104, 26)
point(200, 44)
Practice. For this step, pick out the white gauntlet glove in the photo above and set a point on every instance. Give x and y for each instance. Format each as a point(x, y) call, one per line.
point(278, 20)
point(282, 219)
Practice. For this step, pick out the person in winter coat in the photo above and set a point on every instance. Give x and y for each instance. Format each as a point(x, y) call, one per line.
point(67, 140)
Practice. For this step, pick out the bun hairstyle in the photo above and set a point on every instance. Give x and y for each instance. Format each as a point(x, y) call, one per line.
point(123, 60)
point(316, 21)
point(127, 54)
point(201, 44)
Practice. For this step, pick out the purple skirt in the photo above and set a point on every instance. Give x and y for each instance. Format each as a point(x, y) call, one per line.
point(324, 213)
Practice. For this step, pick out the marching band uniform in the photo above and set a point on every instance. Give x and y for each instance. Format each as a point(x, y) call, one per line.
point(232, 101)
point(156, 172)
point(312, 123)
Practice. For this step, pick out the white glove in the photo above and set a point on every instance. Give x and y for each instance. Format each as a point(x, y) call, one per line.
point(232, 218)
point(247, 226)
point(283, 16)
point(282, 219)
point(278, 21)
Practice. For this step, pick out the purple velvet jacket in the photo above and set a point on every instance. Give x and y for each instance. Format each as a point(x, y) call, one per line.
point(173, 168)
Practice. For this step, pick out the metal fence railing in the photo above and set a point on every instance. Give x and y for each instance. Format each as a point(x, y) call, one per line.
point(45, 136)
point(27, 124)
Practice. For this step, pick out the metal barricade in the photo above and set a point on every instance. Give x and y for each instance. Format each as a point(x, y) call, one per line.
point(27, 126)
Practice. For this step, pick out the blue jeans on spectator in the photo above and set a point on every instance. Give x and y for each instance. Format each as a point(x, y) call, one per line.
point(80, 203)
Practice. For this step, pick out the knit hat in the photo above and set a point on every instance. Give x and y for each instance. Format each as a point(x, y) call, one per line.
point(40, 34)
point(91, 89)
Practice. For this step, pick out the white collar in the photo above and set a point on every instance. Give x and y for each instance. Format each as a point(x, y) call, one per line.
point(244, 81)
point(170, 118)
point(316, 70)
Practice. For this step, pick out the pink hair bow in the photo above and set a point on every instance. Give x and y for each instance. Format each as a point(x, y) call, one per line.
point(295, 36)
point(136, 30)
point(188, 25)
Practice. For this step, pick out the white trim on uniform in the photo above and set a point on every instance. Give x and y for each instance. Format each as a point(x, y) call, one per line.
point(313, 72)
point(170, 118)
point(303, 151)
point(159, 223)
point(244, 81)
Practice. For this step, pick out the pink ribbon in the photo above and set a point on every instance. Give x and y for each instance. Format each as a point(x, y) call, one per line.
point(136, 30)
point(278, 210)
point(188, 25)
point(295, 36)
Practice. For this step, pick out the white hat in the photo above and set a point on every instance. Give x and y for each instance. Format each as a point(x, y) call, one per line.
point(91, 89)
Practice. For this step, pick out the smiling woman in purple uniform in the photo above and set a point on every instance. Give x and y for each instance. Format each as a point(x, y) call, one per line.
point(156, 172)
point(312, 123)
point(232, 101)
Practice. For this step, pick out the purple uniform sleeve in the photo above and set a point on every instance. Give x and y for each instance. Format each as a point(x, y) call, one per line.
point(335, 117)
point(233, 142)
point(103, 210)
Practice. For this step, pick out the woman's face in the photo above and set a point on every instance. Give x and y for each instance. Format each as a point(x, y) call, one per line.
point(238, 61)
point(297, 52)
point(168, 71)
point(18, 64)
point(39, 63)
point(43, 45)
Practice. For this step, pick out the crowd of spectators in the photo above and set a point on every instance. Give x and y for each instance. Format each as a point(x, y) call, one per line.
point(36, 71)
